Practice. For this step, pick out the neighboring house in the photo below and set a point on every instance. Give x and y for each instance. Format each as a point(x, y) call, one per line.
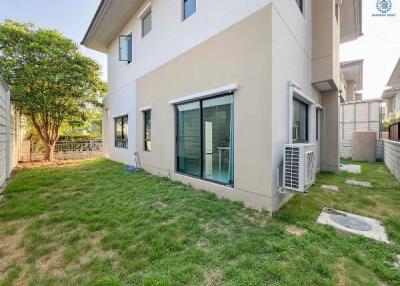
point(211, 91)
point(352, 72)
point(391, 96)
point(10, 134)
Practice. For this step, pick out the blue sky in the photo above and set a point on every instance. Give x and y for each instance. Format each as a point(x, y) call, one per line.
point(70, 17)
point(379, 47)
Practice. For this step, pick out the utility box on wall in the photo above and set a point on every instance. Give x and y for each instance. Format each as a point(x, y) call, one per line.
point(364, 146)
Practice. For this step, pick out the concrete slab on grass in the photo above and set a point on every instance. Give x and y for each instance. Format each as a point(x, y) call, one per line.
point(330, 188)
point(355, 224)
point(355, 169)
point(359, 183)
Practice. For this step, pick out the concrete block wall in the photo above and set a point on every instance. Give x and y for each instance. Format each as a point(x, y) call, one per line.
point(70, 155)
point(392, 157)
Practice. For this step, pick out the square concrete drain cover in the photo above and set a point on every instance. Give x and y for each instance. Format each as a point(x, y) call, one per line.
point(355, 169)
point(329, 188)
point(352, 223)
point(359, 183)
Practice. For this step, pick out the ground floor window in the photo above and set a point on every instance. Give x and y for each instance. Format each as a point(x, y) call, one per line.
point(205, 139)
point(317, 124)
point(147, 130)
point(121, 131)
point(300, 122)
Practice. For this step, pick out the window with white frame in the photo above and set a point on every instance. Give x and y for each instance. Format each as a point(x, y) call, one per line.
point(317, 123)
point(146, 23)
point(125, 48)
point(189, 8)
point(300, 4)
point(121, 131)
point(147, 130)
point(299, 121)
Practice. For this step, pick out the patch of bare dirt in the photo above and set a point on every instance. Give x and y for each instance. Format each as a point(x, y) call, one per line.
point(202, 245)
point(218, 227)
point(160, 205)
point(98, 251)
point(341, 272)
point(55, 163)
point(294, 230)
point(12, 251)
point(213, 277)
point(52, 263)
point(254, 217)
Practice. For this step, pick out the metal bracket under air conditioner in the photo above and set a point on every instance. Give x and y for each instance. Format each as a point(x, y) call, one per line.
point(284, 191)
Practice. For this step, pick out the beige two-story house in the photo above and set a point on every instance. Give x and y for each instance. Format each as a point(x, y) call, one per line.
point(391, 96)
point(209, 92)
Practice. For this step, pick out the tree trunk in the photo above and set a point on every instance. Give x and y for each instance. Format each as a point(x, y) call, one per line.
point(49, 152)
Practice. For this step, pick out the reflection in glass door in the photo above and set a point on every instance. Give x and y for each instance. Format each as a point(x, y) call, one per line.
point(205, 139)
point(217, 139)
point(189, 132)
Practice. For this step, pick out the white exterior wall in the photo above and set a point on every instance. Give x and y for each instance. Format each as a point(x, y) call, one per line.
point(291, 58)
point(170, 37)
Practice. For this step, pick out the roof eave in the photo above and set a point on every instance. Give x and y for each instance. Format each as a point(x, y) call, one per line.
point(357, 18)
point(93, 24)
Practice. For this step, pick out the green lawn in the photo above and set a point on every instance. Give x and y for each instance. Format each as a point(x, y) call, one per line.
point(92, 224)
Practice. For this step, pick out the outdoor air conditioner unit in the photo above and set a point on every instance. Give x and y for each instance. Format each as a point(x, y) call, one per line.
point(298, 167)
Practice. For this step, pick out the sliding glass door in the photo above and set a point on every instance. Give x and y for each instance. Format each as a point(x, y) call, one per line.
point(205, 139)
point(189, 146)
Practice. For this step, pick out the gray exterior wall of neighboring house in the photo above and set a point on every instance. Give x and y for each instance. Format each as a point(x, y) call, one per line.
point(392, 157)
point(10, 134)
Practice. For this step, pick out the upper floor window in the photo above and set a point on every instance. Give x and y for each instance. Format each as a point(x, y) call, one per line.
point(189, 8)
point(125, 48)
point(121, 131)
point(300, 4)
point(146, 23)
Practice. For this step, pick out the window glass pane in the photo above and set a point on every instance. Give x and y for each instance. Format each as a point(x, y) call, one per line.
point(125, 48)
point(303, 122)
point(147, 130)
point(189, 145)
point(189, 7)
point(118, 128)
point(317, 124)
point(300, 4)
point(121, 132)
point(146, 24)
point(125, 127)
point(218, 139)
point(300, 122)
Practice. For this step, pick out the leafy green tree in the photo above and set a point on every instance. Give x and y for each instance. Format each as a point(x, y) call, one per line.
point(387, 123)
point(51, 82)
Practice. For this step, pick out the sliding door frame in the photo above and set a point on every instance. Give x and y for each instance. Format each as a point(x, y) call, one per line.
point(202, 149)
